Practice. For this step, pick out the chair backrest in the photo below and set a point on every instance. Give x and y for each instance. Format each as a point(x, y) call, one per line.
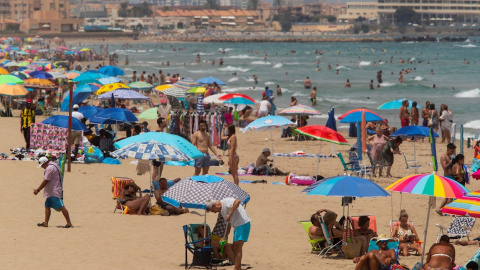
point(191, 235)
point(456, 227)
point(326, 234)
point(372, 226)
point(306, 227)
point(340, 156)
point(370, 159)
point(406, 162)
point(356, 162)
point(117, 185)
point(391, 244)
point(394, 223)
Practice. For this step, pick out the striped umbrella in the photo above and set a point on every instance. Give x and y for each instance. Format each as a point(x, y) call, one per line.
point(463, 206)
point(187, 84)
point(299, 110)
point(196, 191)
point(163, 87)
point(175, 92)
point(140, 85)
point(151, 150)
point(197, 90)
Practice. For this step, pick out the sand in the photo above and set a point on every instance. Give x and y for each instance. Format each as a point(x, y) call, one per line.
point(104, 240)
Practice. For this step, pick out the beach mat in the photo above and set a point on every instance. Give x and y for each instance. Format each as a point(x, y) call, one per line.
point(253, 181)
point(243, 174)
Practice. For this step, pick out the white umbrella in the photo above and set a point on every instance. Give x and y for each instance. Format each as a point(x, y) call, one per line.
point(214, 99)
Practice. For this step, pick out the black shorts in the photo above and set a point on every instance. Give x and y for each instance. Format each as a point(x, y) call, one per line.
point(157, 163)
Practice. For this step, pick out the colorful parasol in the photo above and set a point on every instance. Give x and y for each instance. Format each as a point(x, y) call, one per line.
point(187, 84)
point(110, 87)
point(429, 184)
point(299, 110)
point(10, 79)
point(355, 116)
point(163, 87)
point(140, 85)
point(71, 75)
point(13, 90)
point(197, 90)
point(464, 206)
point(3, 71)
point(239, 100)
point(235, 95)
point(323, 133)
point(175, 92)
point(39, 83)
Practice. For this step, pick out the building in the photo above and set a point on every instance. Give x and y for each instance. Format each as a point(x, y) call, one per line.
point(367, 10)
point(312, 10)
point(467, 11)
point(295, 3)
point(207, 18)
point(4, 12)
point(43, 16)
point(334, 9)
point(88, 10)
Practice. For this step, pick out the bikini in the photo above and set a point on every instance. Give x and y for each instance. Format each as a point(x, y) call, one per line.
point(228, 143)
point(441, 255)
point(402, 233)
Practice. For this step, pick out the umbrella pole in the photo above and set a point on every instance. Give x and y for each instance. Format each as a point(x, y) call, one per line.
point(271, 139)
point(391, 203)
point(151, 182)
point(318, 161)
point(425, 233)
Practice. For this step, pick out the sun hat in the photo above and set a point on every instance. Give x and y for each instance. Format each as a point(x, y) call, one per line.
point(75, 106)
point(382, 237)
point(265, 150)
point(42, 161)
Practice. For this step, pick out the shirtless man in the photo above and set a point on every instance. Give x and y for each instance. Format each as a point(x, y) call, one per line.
point(377, 259)
point(307, 83)
point(172, 210)
point(371, 84)
point(162, 77)
point(414, 114)
point(263, 160)
point(348, 84)
point(446, 161)
point(441, 255)
point(403, 114)
point(313, 96)
point(426, 114)
point(255, 78)
point(201, 140)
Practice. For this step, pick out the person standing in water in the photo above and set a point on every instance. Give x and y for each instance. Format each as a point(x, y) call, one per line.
point(313, 96)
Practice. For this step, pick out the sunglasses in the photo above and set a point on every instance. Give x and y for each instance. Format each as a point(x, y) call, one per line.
point(382, 241)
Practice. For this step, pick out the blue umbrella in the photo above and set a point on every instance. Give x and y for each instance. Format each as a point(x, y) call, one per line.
point(331, 122)
point(109, 80)
point(357, 117)
point(69, 52)
point(346, 186)
point(89, 111)
point(210, 80)
point(113, 116)
point(87, 77)
point(77, 98)
point(414, 131)
point(196, 191)
point(86, 88)
point(174, 140)
point(62, 121)
point(111, 71)
point(40, 75)
point(123, 94)
point(268, 122)
point(395, 105)
point(151, 150)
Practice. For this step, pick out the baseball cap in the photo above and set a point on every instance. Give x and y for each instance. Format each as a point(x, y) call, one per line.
point(29, 101)
point(41, 161)
point(75, 106)
point(265, 150)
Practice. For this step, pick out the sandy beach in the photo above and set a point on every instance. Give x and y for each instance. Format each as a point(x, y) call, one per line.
point(104, 240)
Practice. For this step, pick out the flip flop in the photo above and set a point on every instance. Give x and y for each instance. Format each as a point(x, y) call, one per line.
point(67, 226)
point(41, 224)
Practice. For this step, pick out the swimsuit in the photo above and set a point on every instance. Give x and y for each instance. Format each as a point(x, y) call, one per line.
point(405, 122)
point(443, 255)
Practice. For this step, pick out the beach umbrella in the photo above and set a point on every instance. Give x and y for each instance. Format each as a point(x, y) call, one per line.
point(187, 84)
point(71, 75)
point(239, 100)
point(77, 98)
point(140, 85)
point(22, 53)
point(85, 50)
point(109, 80)
point(89, 111)
point(299, 110)
point(149, 114)
point(110, 87)
point(215, 98)
point(163, 87)
point(12, 90)
point(355, 115)
point(346, 186)
point(210, 80)
point(111, 71)
point(40, 75)
point(20, 74)
point(56, 75)
point(152, 150)
point(10, 79)
point(323, 133)
point(235, 95)
point(431, 185)
point(89, 77)
point(62, 48)
point(23, 64)
point(3, 71)
point(464, 206)
point(48, 66)
point(197, 90)
point(413, 131)
point(86, 87)
point(395, 105)
point(62, 121)
point(171, 139)
point(69, 53)
point(196, 191)
point(175, 92)
point(11, 64)
point(113, 116)
point(331, 122)
point(123, 94)
point(39, 83)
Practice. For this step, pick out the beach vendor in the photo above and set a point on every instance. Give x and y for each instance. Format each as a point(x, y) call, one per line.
point(53, 191)
point(27, 118)
point(236, 217)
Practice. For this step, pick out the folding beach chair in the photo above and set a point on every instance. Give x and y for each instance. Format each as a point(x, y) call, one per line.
point(373, 222)
point(346, 166)
point(357, 168)
point(328, 240)
point(202, 256)
point(375, 164)
point(459, 228)
point(408, 166)
point(316, 243)
point(393, 244)
point(117, 185)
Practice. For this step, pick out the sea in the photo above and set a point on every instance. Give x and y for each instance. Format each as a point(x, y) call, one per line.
point(455, 68)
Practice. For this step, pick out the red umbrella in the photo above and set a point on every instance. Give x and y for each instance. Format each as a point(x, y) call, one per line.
point(236, 95)
point(323, 133)
point(357, 110)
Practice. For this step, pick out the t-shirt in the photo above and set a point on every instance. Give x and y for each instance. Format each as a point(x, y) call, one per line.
point(264, 105)
point(54, 185)
point(77, 115)
point(28, 117)
point(239, 217)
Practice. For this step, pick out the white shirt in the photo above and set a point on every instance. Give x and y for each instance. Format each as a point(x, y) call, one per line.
point(77, 115)
point(239, 217)
point(264, 105)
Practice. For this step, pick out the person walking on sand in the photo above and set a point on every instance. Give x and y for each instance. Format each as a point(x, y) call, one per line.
point(53, 191)
point(236, 217)
point(27, 118)
point(201, 140)
point(447, 164)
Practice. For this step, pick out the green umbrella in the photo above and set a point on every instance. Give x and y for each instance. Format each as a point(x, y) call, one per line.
point(149, 114)
point(23, 64)
point(10, 79)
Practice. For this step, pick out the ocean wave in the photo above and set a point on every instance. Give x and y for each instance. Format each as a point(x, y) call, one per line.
point(344, 67)
point(200, 71)
point(233, 79)
point(387, 84)
point(418, 78)
point(300, 94)
point(269, 83)
point(474, 93)
point(278, 65)
point(292, 63)
point(242, 56)
point(466, 46)
point(364, 63)
point(238, 89)
point(249, 79)
point(475, 124)
point(347, 101)
point(298, 81)
point(226, 49)
point(204, 53)
point(260, 63)
point(231, 68)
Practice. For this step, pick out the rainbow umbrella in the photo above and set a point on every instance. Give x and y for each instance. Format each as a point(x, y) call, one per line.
point(432, 185)
point(235, 95)
point(465, 206)
point(239, 100)
point(187, 84)
point(299, 110)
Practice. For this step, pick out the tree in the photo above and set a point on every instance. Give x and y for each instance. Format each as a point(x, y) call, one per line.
point(365, 28)
point(123, 11)
point(285, 19)
point(139, 27)
point(277, 4)
point(211, 4)
point(252, 4)
point(331, 18)
point(405, 15)
point(180, 25)
point(360, 19)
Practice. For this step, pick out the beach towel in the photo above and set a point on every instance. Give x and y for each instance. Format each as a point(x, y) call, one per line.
point(242, 174)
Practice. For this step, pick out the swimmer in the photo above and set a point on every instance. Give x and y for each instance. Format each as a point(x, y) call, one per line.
point(337, 71)
point(431, 72)
point(371, 84)
point(348, 84)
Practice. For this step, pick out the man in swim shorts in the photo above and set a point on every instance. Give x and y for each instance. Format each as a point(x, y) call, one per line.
point(201, 140)
point(403, 114)
point(307, 83)
point(313, 96)
point(377, 259)
point(426, 114)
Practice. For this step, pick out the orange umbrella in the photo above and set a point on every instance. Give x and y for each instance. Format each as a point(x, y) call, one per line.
point(3, 71)
point(71, 75)
point(39, 83)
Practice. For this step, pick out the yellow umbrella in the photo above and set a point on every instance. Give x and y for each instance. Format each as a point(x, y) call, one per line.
point(85, 50)
point(110, 87)
point(197, 90)
point(163, 87)
point(39, 83)
point(3, 71)
point(13, 90)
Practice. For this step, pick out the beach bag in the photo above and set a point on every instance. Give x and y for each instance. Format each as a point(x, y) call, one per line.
point(430, 121)
point(352, 249)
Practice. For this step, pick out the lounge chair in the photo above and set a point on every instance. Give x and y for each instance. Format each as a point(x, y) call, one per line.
point(408, 166)
point(117, 185)
point(346, 166)
point(373, 222)
point(314, 242)
point(329, 242)
point(202, 256)
point(459, 228)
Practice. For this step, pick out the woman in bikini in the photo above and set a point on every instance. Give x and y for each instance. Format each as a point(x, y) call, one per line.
point(441, 255)
point(458, 170)
point(407, 235)
point(137, 204)
point(233, 158)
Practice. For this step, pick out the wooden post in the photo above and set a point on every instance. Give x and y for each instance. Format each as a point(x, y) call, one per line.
point(69, 142)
